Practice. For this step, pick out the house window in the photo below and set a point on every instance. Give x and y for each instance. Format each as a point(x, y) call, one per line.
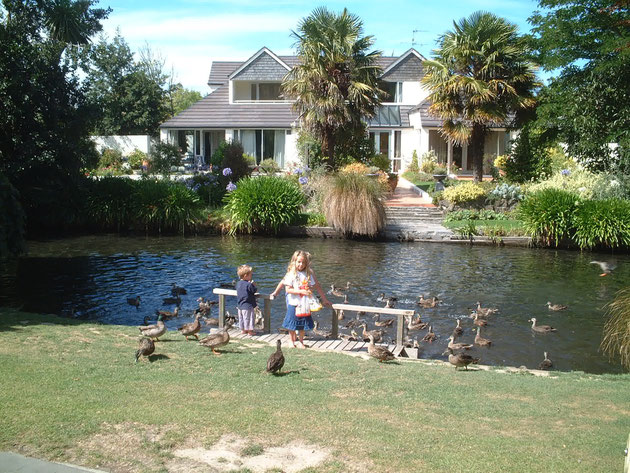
point(393, 91)
point(264, 144)
point(265, 91)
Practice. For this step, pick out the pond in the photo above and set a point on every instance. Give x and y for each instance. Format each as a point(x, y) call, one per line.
point(92, 277)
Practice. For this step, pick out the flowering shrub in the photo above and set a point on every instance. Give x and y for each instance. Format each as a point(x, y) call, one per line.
point(587, 184)
point(500, 162)
point(466, 192)
point(303, 180)
point(207, 187)
point(230, 187)
point(429, 162)
point(227, 172)
point(355, 168)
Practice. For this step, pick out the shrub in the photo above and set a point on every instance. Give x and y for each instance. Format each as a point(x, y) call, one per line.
point(233, 159)
point(163, 156)
point(548, 214)
point(508, 192)
point(429, 162)
point(208, 187)
point(463, 193)
point(500, 161)
point(413, 165)
point(616, 338)
point(529, 157)
point(109, 203)
point(356, 168)
point(136, 158)
point(182, 208)
point(602, 223)
point(110, 159)
point(263, 204)
point(587, 184)
point(353, 204)
point(472, 214)
point(269, 166)
point(381, 161)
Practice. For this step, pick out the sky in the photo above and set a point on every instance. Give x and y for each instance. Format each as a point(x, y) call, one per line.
point(188, 35)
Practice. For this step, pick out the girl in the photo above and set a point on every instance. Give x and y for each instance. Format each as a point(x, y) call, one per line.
point(298, 283)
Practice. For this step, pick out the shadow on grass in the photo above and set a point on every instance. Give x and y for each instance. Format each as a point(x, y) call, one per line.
point(158, 357)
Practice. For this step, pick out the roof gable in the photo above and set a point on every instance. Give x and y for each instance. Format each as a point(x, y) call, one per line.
point(408, 67)
point(264, 65)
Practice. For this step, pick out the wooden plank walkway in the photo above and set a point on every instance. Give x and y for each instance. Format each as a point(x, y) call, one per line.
point(310, 340)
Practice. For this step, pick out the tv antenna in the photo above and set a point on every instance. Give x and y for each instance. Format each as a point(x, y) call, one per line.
point(413, 38)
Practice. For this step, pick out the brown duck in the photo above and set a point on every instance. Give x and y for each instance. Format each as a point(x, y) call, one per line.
point(217, 340)
point(541, 328)
point(379, 352)
point(145, 347)
point(479, 340)
point(192, 328)
point(459, 359)
point(276, 359)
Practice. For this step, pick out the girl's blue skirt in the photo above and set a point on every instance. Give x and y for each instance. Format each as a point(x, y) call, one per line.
point(291, 322)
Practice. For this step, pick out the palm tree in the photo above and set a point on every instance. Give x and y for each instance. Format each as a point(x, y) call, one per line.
point(335, 83)
point(479, 75)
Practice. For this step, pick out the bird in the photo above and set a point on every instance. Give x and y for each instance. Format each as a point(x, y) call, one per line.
point(390, 303)
point(345, 299)
point(382, 323)
point(479, 340)
point(541, 328)
point(459, 359)
point(377, 334)
point(356, 322)
point(228, 285)
point(336, 291)
point(379, 352)
point(458, 346)
point(217, 340)
point(389, 300)
point(427, 303)
point(168, 314)
point(341, 314)
point(458, 330)
point(191, 328)
point(556, 307)
point(479, 322)
point(485, 311)
point(606, 267)
point(177, 290)
point(321, 333)
point(145, 347)
point(546, 363)
point(172, 300)
point(276, 359)
point(154, 331)
point(430, 336)
point(412, 324)
point(259, 320)
point(135, 301)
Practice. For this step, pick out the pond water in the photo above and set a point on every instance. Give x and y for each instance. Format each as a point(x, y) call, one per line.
point(92, 277)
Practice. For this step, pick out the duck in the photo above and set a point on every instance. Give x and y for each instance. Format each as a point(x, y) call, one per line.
point(477, 321)
point(390, 301)
point(479, 340)
point(556, 307)
point(345, 299)
point(335, 291)
point(228, 285)
point(276, 359)
point(356, 322)
point(259, 320)
point(607, 268)
point(546, 363)
point(205, 306)
point(172, 300)
point(379, 352)
point(541, 328)
point(341, 315)
point(145, 347)
point(219, 339)
point(321, 333)
point(382, 323)
point(353, 337)
point(177, 290)
point(458, 330)
point(485, 311)
point(460, 359)
point(192, 328)
point(458, 346)
point(154, 331)
point(430, 336)
point(415, 325)
point(427, 303)
point(167, 314)
point(135, 301)
point(378, 334)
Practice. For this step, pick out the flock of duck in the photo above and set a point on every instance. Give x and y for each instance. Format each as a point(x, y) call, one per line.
point(455, 350)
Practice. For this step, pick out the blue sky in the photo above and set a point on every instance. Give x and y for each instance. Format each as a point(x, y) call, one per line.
point(188, 35)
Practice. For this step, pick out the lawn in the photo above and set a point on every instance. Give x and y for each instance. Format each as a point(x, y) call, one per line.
point(510, 227)
point(72, 392)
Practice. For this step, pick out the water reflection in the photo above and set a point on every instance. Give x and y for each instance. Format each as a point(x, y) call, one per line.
point(92, 277)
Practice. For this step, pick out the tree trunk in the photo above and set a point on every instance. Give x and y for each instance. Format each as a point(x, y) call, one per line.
point(477, 139)
point(328, 147)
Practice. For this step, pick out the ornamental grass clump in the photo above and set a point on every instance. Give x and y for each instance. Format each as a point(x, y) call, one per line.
point(549, 214)
point(602, 223)
point(109, 204)
point(616, 338)
point(353, 204)
point(263, 204)
point(464, 193)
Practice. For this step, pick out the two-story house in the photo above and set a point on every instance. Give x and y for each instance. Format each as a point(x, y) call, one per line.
point(245, 104)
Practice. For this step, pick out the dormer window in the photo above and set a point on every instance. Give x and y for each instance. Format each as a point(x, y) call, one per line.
point(250, 91)
point(394, 91)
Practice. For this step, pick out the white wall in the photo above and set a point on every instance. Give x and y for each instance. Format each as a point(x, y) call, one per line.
point(124, 144)
point(414, 93)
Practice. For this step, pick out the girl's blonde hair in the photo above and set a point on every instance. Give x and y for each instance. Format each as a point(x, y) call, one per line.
point(291, 271)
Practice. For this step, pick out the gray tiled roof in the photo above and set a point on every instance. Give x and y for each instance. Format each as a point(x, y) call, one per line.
point(428, 120)
point(391, 116)
point(215, 111)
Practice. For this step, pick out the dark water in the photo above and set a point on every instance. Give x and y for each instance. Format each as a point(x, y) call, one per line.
point(93, 276)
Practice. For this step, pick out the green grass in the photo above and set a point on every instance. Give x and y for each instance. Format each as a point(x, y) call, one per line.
point(72, 392)
point(491, 227)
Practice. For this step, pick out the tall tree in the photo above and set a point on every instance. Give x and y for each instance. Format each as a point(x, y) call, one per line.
point(179, 98)
point(479, 74)
point(588, 103)
point(335, 83)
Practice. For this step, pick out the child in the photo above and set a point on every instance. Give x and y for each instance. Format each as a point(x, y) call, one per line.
point(298, 283)
point(246, 300)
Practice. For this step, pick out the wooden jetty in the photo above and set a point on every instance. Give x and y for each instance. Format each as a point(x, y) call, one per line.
point(334, 343)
